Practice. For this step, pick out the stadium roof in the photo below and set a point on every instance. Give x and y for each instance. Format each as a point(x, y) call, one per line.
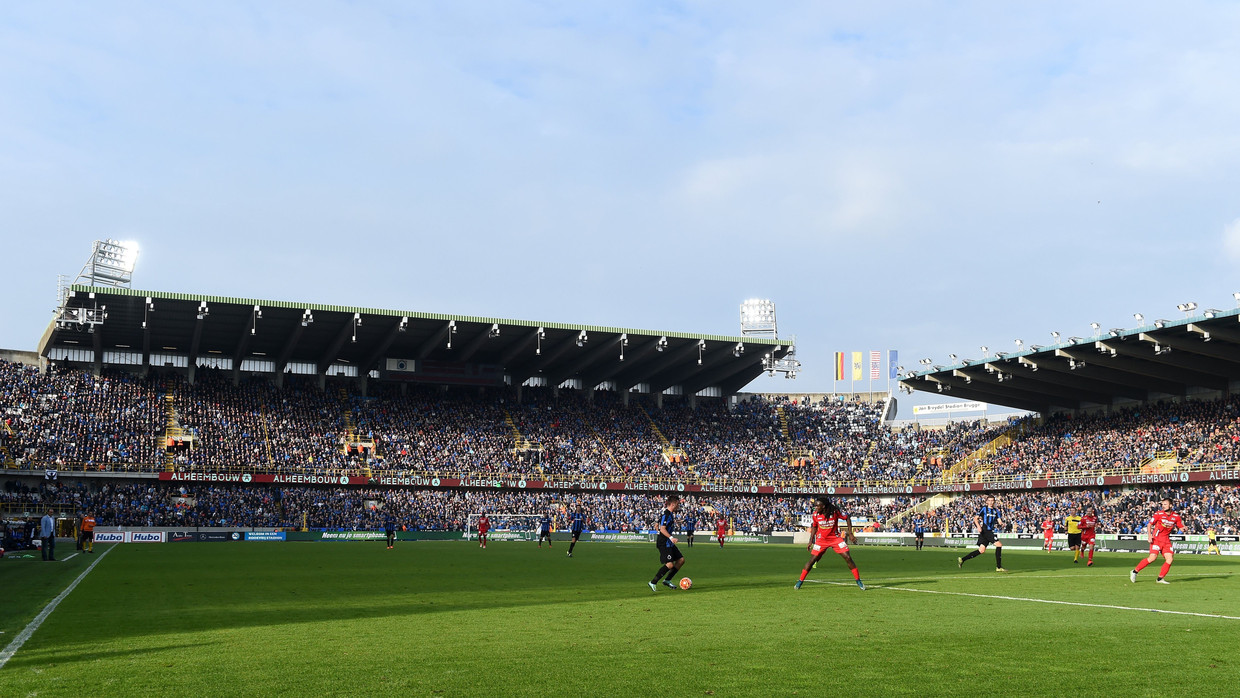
point(1168, 358)
point(330, 336)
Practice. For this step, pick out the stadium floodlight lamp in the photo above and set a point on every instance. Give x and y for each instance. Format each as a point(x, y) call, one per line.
point(1020, 343)
point(357, 320)
point(1205, 336)
point(985, 351)
point(451, 331)
point(952, 357)
point(624, 342)
point(1001, 354)
point(1036, 347)
point(539, 335)
point(491, 333)
point(758, 318)
point(925, 362)
point(582, 338)
point(1211, 312)
point(1097, 328)
point(1236, 295)
point(1055, 335)
point(1160, 323)
point(1076, 340)
point(1115, 331)
point(701, 348)
point(307, 318)
point(150, 303)
point(1140, 319)
point(403, 326)
point(899, 370)
point(1186, 308)
point(1159, 349)
point(738, 349)
point(203, 310)
point(661, 344)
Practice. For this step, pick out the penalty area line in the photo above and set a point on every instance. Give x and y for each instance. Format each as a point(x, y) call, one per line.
point(16, 644)
point(1033, 600)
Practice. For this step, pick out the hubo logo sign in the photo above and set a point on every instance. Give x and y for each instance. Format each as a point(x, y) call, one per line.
point(109, 537)
point(145, 537)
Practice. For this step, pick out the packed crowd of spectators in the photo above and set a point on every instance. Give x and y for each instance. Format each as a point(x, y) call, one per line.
point(1195, 432)
point(1202, 508)
point(69, 416)
point(116, 421)
point(339, 508)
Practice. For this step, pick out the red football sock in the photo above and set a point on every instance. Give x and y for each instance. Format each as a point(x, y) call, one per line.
point(1141, 565)
point(1091, 556)
point(1165, 569)
point(804, 574)
point(856, 573)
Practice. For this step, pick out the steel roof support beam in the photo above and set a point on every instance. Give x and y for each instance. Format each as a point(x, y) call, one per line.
point(1019, 399)
point(1181, 368)
point(1105, 368)
point(519, 346)
point(1056, 373)
point(710, 358)
point(477, 342)
point(586, 360)
point(286, 353)
point(440, 335)
point(631, 377)
point(632, 360)
point(717, 376)
point(372, 359)
point(325, 361)
point(1019, 381)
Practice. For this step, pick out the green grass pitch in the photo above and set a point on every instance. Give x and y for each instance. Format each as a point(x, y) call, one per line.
point(314, 619)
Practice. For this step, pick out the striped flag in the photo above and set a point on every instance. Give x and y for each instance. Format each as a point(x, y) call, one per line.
point(876, 358)
point(839, 365)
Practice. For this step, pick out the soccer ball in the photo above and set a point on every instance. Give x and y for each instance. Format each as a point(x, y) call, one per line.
point(685, 583)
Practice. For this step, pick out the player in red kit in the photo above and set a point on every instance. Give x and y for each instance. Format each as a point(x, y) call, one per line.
point(484, 525)
point(721, 530)
point(1048, 534)
point(1089, 530)
point(824, 533)
point(1162, 525)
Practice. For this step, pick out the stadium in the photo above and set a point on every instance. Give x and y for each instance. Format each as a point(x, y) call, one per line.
point(415, 338)
point(177, 418)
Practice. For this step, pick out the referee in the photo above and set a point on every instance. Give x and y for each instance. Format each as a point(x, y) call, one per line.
point(988, 522)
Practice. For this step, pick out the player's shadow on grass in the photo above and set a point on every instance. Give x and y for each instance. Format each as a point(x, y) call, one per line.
point(50, 656)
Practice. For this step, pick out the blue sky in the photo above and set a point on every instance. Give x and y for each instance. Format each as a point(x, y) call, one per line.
point(928, 177)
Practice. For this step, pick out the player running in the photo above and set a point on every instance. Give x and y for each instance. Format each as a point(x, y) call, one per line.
point(1089, 531)
point(1048, 534)
point(484, 525)
point(690, 526)
point(544, 530)
point(1073, 525)
point(670, 559)
point(988, 522)
point(578, 524)
point(721, 529)
point(824, 533)
point(1212, 539)
point(919, 532)
point(1162, 525)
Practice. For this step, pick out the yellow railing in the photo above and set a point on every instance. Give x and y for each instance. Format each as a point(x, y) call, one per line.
point(964, 465)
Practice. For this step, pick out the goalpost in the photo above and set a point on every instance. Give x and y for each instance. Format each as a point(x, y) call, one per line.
point(505, 526)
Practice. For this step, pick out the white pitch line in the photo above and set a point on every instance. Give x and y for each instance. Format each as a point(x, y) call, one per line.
point(1032, 600)
point(25, 634)
point(70, 557)
point(1009, 576)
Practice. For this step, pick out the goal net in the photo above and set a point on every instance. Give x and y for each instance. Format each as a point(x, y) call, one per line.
point(505, 526)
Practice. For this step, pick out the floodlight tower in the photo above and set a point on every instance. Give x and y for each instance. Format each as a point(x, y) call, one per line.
point(111, 263)
point(758, 320)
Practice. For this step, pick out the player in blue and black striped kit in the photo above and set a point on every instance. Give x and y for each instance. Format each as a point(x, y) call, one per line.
point(919, 532)
point(576, 526)
point(670, 559)
point(988, 521)
point(544, 530)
